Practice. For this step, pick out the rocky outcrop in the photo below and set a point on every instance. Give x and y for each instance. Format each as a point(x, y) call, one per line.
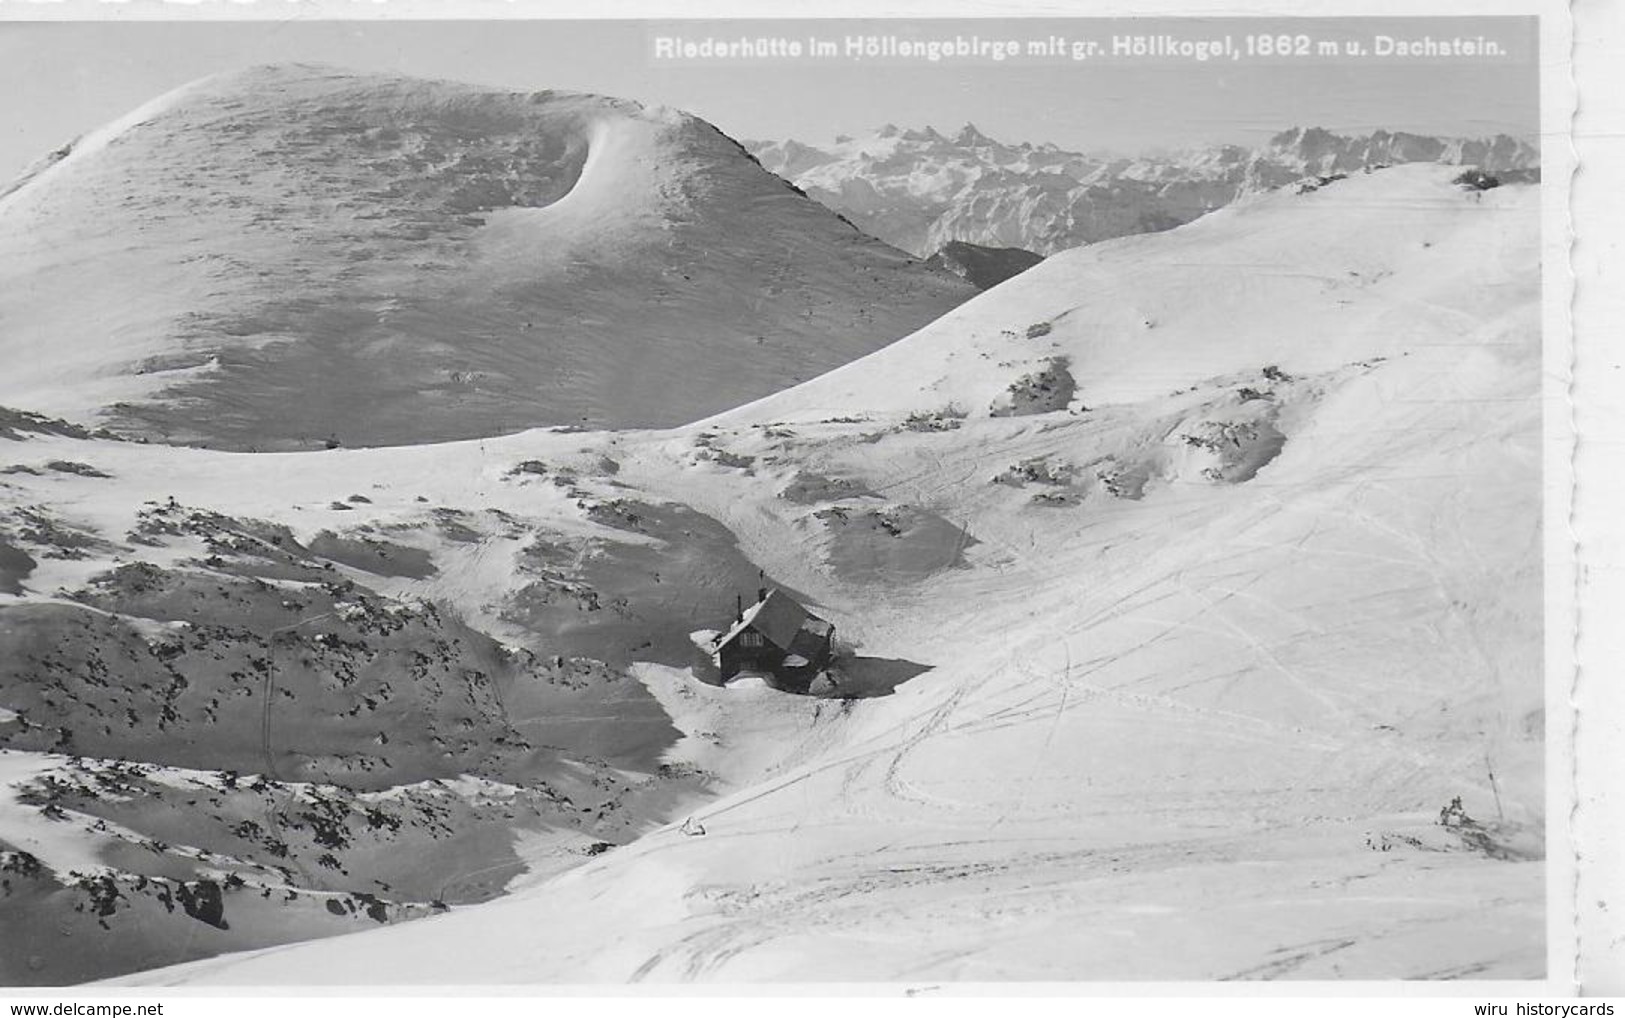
point(983, 267)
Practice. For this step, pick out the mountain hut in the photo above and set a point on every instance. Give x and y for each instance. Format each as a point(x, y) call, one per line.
point(776, 635)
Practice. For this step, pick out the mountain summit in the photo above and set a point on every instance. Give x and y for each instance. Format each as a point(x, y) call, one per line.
point(290, 255)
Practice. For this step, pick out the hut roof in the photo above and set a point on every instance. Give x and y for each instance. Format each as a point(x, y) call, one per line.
point(779, 618)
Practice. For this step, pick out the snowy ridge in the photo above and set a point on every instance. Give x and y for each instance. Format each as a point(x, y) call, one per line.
point(1363, 272)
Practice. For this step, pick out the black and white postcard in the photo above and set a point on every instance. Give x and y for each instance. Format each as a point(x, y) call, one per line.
point(1024, 498)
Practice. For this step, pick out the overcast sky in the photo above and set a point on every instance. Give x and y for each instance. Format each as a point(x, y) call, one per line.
point(59, 80)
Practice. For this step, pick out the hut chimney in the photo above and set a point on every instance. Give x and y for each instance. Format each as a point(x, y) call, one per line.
point(739, 608)
point(761, 591)
point(761, 594)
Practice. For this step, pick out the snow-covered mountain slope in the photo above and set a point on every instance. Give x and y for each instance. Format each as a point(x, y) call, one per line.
point(921, 190)
point(323, 690)
point(287, 255)
point(243, 706)
point(1356, 269)
point(1209, 660)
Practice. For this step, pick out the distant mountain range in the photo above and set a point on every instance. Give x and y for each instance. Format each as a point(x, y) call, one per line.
point(920, 189)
